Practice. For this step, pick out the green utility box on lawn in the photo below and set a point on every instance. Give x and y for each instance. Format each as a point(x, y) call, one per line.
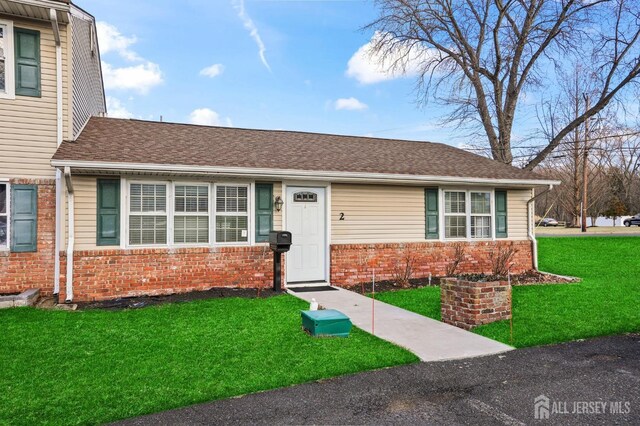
point(327, 322)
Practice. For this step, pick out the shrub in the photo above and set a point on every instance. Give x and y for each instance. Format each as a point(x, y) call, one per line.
point(458, 256)
point(502, 259)
point(403, 268)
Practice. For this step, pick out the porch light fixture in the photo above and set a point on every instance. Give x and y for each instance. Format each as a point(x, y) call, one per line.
point(278, 203)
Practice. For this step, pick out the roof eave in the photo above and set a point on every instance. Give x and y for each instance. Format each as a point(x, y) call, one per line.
point(292, 174)
point(38, 9)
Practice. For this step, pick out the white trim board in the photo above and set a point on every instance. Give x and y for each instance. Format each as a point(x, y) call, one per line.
point(306, 175)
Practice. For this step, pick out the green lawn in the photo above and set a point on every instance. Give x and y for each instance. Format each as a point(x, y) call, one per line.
point(98, 366)
point(425, 300)
point(607, 301)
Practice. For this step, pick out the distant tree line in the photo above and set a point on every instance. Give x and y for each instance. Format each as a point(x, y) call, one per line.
point(613, 178)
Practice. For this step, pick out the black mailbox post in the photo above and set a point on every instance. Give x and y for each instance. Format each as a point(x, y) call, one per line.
point(279, 242)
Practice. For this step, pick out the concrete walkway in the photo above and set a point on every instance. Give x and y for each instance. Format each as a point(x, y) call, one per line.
point(429, 339)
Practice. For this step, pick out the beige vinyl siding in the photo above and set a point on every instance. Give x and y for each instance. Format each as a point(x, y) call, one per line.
point(85, 189)
point(87, 91)
point(376, 213)
point(277, 216)
point(517, 213)
point(28, 124)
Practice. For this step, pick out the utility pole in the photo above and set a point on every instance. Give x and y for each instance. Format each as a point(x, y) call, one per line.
point(585, 167)
point(577, 209)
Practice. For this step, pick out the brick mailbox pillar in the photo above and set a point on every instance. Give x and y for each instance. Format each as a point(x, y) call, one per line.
point(467, 304)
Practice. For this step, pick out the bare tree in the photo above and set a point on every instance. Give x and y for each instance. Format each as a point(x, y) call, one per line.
point(481, 56)
point(622, 157)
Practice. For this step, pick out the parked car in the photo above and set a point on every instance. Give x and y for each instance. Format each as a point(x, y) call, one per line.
point(633, 220)
point(547, 221)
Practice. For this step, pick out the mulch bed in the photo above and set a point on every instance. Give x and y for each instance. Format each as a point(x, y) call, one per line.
point(389, 285)
point(143, 301)
point(526, 278)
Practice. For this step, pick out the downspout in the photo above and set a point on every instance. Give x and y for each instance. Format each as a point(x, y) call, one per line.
point(70, 232)
point(59, 130)
point(530, 224)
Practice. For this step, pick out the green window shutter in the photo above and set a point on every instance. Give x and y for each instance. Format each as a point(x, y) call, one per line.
point(27, 58)
point(501, 214)
point(108, 229)
point(24, 218)
point(264, 211)
point(431, 208)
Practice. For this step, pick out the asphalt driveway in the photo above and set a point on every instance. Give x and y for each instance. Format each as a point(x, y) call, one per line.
point(589, 382)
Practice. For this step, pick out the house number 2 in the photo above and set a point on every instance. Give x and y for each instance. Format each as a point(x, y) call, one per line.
point(341, 216)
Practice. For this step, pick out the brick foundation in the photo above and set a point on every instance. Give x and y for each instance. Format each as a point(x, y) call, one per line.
point(110, 273)
point(106, 274)
point(352, 263)
point(467, 304)
point(21, 271)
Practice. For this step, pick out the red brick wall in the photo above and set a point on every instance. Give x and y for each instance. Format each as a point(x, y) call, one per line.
point(467, 304)
point(21, 271)
point(352, 263)
point(105, 274)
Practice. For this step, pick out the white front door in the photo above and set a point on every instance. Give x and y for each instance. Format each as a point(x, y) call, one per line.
point(305, 216)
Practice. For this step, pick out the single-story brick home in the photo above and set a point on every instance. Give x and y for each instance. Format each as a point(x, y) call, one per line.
point(157, 208)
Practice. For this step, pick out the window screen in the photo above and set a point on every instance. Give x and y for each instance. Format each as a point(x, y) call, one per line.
point(147, 214)
point(480, 214)
point(232, 218)
point(191, 220)
point(455, 214)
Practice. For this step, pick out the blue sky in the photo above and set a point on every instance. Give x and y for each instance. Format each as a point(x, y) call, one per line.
point(271, 64)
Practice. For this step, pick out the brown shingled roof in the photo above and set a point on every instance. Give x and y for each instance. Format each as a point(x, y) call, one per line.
point(113, 140)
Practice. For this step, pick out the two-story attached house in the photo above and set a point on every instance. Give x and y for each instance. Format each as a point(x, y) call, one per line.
point(50, 84)
point(159, 208)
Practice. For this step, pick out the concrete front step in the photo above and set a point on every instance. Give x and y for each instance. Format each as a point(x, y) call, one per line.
point(26, 298)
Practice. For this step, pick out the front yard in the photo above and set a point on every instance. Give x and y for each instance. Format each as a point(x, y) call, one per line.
point(607, 301)
point(98, 366)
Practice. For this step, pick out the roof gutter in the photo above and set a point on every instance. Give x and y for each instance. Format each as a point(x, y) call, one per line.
point(334, 176)
point(530, 222)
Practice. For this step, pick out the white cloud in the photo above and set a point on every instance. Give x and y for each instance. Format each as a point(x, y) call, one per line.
point(250, 26)
point(208, 117)
point(368, 66)
point(351, 104)
point(139, 78)
point(212, 71)
point(111, 40)
point(116, 109)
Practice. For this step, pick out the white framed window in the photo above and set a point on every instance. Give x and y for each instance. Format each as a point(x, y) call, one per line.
point(231, 213)
point(178, 214)
point(147, 214)
point(480, 214)
point(191, 213)
point(7, 67)
point(4, 215)
point(468, 214)
point(455, 214)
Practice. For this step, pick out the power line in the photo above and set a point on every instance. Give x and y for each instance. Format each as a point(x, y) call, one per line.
point(559, 143)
